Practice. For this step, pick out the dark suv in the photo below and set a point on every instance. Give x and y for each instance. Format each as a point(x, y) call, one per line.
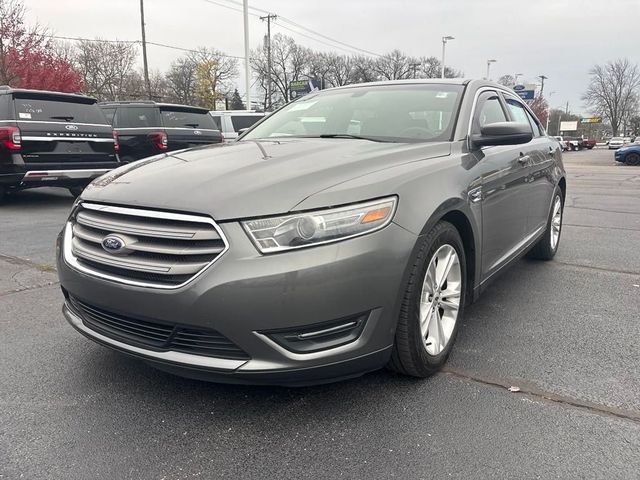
point(52, 139)
point(146, 128)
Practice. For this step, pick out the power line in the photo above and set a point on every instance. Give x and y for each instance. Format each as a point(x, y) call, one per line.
point(298, 25)
point(136, 42)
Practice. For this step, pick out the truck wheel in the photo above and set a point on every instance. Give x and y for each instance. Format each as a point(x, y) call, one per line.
point(3, 194)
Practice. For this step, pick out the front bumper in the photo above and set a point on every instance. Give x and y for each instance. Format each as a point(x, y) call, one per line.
point(245, 294)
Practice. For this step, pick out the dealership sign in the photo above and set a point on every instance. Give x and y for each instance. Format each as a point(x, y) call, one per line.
point(591, 120)
point(526, 92)
point(299, 88)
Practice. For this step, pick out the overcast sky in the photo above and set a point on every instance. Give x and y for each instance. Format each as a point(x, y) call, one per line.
point(561, 39)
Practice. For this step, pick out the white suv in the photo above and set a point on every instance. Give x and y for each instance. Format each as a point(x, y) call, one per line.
point(231, 122)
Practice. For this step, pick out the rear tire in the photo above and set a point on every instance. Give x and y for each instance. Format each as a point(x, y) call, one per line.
point(433, 304)
point(547, 246)
point(3, 194)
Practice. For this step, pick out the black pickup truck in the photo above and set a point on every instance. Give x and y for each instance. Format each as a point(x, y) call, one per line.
point(52, 139)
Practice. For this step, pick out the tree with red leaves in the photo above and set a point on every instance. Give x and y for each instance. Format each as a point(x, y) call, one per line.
point(27, 57)
point(540, 107)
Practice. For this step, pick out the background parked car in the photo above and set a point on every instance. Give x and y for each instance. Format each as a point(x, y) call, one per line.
point(146, 128)
point(52, 139)
point(616, 142)
point(629, 154)
point(231, 122)
point(562, 142)
point(589, 143)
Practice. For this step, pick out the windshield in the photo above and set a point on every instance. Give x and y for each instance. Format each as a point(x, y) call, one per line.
point(187, 119)
point(39, 109)
point(389, 113)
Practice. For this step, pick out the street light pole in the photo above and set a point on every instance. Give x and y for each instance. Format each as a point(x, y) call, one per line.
point(542, 79)
point(489, 62)
point(515, 78)
point(247, 72)
point(444, 44)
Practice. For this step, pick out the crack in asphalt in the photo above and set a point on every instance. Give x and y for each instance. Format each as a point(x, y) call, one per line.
point(43, 267)
point(27, 289)
point(600, 269)
point(603, 228)
point(546, 396)
point(602, 210)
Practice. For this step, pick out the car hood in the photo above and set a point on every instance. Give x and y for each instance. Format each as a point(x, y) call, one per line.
point(251, 178)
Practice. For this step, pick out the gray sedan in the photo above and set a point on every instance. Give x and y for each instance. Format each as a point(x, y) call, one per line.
point(343, 233)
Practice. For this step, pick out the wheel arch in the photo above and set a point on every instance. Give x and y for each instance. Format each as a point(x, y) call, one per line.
point(562, 184)
point(457, 212)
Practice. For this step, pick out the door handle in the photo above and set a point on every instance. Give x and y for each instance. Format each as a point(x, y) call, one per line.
point(523, 159)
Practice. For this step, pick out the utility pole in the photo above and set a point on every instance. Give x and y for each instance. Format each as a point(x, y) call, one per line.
point(414, 68)
point(489, 62)
point(147, 83)
point(247, 67)
point(268, 18)
point(542, 79)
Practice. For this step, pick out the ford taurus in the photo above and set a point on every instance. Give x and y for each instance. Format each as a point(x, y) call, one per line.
point(343, 233)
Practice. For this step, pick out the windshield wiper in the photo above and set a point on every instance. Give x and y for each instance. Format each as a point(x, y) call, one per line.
point(66, 118)
point(347, 135)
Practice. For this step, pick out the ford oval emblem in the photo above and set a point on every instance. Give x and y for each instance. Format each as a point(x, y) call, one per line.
point(71, 127)
point(113, 244)
point(197, 132)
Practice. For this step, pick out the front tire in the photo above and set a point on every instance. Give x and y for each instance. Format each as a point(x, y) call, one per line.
point(632, 159)
point(547, 246)
point(433, 304)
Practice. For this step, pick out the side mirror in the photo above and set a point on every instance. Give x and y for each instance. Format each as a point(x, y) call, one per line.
point(502, 133)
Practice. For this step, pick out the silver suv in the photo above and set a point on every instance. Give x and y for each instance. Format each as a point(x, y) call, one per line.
point(233, 122)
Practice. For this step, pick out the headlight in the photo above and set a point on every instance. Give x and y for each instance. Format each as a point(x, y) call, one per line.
point(307, 229)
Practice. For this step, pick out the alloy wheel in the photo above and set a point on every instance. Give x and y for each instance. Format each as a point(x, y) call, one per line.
point(440, 299)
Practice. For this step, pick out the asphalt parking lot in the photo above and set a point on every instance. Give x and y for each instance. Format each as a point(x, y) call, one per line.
point(565, 332)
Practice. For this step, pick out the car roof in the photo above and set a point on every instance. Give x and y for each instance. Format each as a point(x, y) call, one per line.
point(475, 83)
point(235, 112)
point(7, 90)
point(150, 103)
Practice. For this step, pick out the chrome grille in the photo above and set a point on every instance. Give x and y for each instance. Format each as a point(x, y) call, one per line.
point(155, 249)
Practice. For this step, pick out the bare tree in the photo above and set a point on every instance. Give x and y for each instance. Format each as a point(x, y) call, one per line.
point(395, 65)
point(17, 38)
point(290, 61)
point(613, 91)
point(107, 68)
point(431, 67)
point(181, 80)
point(507, 81)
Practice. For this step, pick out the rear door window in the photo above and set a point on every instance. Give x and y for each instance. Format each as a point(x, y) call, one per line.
point(137, 117)
point(243, 121)
point(176, 118)
point(217, 120)
point(49, 110)
point(109, 113)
